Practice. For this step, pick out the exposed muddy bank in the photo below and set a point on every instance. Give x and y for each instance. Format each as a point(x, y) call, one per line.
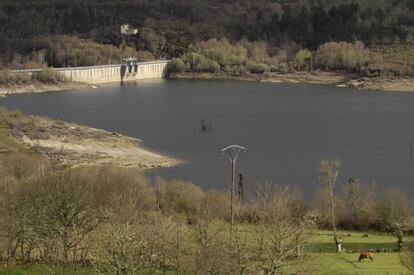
point(399, 84)
point(36, 87)
point(71, 145)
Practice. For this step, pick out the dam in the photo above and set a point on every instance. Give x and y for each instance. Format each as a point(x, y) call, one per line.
point(127, 71)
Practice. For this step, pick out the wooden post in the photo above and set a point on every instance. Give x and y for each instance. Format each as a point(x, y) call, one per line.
point(241, 191)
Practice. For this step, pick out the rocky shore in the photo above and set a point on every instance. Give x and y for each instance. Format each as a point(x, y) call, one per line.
point(391, 84)
point(72, 145)
point(341, 80)
point(36, 87)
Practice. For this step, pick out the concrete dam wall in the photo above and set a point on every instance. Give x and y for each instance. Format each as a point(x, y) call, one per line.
point(111, 73)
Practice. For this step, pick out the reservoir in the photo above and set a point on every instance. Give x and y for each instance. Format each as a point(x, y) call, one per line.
point(287, 129)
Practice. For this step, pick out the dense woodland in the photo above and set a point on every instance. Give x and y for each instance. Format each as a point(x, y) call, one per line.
point(28, 29)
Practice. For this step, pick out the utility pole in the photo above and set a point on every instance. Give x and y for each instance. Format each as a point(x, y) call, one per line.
point(233, 152)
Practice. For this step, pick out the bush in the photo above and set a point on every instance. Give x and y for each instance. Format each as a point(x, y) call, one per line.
point(257, 68)
point(58, 215)
point(4, 77)
point(152, 244)
point(200, 63)
point(256, 51)
point(183, 197)
point(176, 66)
point(302, 59)
point(342, 56)
point(144, 56)
point(49, 76)
point(223, 52)
point(9, 78)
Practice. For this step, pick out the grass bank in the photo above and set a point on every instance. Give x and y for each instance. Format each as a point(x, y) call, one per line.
point(328, 262)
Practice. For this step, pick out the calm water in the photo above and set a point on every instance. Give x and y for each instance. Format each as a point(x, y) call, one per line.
point(286, 128)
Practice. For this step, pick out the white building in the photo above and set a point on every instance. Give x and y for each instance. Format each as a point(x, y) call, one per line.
point(128, 30)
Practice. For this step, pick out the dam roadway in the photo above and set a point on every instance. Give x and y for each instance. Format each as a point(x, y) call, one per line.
point(110, 73)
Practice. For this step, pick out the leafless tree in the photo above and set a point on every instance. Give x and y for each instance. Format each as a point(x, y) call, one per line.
point(60, 212)
point(154, 242)
point(281, 233)
point(394, 211)
point(17, 171)
point(361, 204)
point(328, 175)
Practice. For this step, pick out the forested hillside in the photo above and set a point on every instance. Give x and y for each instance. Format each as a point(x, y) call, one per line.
point(167, 28)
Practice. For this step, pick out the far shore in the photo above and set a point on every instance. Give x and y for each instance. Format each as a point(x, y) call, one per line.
point(338, 79)
point(342, 80)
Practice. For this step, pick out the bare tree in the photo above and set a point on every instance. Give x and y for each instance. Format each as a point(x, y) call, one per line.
point(211, 247)
point(121, 248)
point(153, 243)
point(139, 231)
point(360, 199)
point(16, 172)
point(61, 212)
point(394, 211)
point(281, 232)
point(328, 175)
point(10, 232)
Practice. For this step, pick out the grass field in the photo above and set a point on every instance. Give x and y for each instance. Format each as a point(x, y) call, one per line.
point(322, 241)
point(319, 263)
point(41, 270)
point(325, 261)
point(7, 143)
point(332, 263)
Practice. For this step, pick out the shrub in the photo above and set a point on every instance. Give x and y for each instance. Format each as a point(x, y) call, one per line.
point(223, 52)
point(144, 56)
point(49, 76)
point(257, 68)
point(4, 77)
point(302, 59)
point(176, 66)
point(155, 243)
point(199, 63)
point(183, 197)
point(58, 215)
point(256, 51)
point(124, 191)
point(342, 56)
point(394, 210)
point(9, 78)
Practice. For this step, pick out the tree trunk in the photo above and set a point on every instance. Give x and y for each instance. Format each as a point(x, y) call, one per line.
point(338, 242)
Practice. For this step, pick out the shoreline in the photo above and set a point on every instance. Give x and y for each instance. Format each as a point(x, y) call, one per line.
point(340, 80)
point(336, 79)
point(71, 145)
point(36, 87)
